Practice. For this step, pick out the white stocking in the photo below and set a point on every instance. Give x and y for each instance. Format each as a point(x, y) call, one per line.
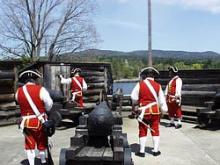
point(156, 141)
point(142, 143)
point(31, 156)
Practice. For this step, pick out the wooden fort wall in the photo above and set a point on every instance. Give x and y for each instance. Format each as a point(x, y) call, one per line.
point(97, 75)
point(198, 85)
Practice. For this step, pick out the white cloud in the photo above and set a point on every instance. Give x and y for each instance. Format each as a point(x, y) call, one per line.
point(205, 5)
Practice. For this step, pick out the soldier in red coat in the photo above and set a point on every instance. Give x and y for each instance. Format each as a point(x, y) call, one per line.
point(173, 97)
point(149, 97)
point(34, 101)
point(78, 85)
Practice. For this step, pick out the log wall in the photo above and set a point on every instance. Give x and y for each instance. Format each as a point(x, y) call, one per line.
point(199, 86)
point(9, 112)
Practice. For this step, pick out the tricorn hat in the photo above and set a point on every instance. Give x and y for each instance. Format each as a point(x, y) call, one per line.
point(34, 74)
point(174, 69)
point(76, 70)
point(149, 70)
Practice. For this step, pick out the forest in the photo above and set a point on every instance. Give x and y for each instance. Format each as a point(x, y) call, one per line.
point(129, 67)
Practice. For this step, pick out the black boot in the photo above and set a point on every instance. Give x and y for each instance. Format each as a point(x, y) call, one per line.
point(178, 126)
point(170, 125)
point(140, 154)
point(156, 153)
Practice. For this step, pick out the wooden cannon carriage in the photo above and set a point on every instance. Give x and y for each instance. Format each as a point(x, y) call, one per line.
point(98, 140)
point(210, 115)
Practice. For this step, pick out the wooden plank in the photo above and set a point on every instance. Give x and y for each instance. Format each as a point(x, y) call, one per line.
point(193, 73)
point(7, 98)
point(15, 70)
point(199, 87)
point(7, 75)
point(91, 99)
point(65, 71)
point(7, 82)
point(9, 121)
point(8, 113)
point(95, 85)
point(95, 67)
point(198, 93)
point(91, 153)
point(90, 92)
point(106, 79)
point(10, 105)
point(118, 153)
point(92, 73)
point(108, 154)
point(188, 108)
point(47, 76)
point(192, 81)
point(6, 89)
point(94, 79)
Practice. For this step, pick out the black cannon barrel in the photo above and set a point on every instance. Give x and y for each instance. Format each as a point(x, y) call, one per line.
point(100, 121)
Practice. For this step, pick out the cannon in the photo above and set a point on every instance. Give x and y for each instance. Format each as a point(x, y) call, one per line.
point(209, 115)
point(98, 140)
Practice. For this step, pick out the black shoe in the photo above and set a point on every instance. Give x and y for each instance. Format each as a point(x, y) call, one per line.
point(131, 116)
point(178, 126)
point(44, 163)
point(140, 154)
point(156, 153)
point(170, 125)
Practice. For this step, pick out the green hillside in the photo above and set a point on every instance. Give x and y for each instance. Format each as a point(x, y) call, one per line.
point(128, 64)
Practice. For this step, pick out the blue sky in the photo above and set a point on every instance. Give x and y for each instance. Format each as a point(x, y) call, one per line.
point(188, 25)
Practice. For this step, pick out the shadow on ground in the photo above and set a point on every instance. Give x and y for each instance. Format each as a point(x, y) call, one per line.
point(136, 147)
point(25, 162)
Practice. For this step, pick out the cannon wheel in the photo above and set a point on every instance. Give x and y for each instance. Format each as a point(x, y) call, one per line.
point(56, 117)
point(125, 140)
point(127, 157)
point(204, 120)
point(62, 159)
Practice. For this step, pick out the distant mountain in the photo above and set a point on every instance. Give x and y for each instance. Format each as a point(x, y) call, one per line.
point(93, 53)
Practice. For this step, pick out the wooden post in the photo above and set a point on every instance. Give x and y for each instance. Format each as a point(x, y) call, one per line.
point(41, 81)
point(150, 63)
point(47, 76)
point(15, 79)
point(106, 80)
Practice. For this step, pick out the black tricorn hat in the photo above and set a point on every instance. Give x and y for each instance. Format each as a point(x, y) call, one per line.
point(34, 74)
point(76, 70)
point(149, 70)
point(174, 69)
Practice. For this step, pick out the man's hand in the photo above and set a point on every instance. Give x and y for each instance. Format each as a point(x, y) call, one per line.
point(60, 76)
